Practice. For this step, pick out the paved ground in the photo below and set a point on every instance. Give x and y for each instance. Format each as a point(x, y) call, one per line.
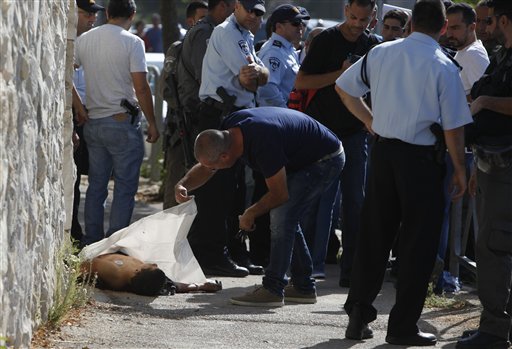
point(122, 320)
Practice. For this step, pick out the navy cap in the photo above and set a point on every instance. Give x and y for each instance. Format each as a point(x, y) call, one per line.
point(288, 13)
point(89, 6)
point(250, 5)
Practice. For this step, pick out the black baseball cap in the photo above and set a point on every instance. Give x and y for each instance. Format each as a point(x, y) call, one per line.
point(288, 13)
point(251, 5)
point(89, 6)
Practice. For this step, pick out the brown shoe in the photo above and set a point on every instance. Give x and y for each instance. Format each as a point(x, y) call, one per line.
point(291, 294)
point(260, 297)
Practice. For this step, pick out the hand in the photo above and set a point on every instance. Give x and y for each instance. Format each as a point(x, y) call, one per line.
point(346, 64)
point(477, 105)
point(153, 134)
point(76, 140)
point(81, 115)
point(369, 127)
point(181, 194)
point(246, 221)
point(458, 185)
point(472, 183)
point(248, 76)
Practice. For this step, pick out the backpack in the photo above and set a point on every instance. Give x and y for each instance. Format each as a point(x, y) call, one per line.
point(169, 86)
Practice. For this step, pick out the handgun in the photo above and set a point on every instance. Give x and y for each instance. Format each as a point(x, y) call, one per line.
point(133, 110)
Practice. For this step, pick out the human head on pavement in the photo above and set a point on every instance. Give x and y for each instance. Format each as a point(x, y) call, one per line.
point(248, 12)
point(87, 10)
point(288, 22)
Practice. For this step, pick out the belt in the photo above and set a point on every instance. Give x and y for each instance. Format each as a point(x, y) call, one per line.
point(212, 102)
point(380, 139)
point(491, 158)
point(333, 154)
point(120, 116)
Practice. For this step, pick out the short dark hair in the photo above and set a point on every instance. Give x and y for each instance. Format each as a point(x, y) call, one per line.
point(501, 8)
point(468, 13)
point(121, 8)
point(147, 282)
point(194, 6)
point(362, 3)
point(428, 16)
point(399, 15)
point(213, 3)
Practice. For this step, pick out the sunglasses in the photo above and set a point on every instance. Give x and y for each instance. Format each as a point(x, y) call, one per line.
point(87, 14)
point(295, 23)
point(256, 12)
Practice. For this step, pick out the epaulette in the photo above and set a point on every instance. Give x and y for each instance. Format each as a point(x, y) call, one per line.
point(277, 43)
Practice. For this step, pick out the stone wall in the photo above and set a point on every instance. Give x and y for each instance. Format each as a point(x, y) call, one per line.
point(35, 157)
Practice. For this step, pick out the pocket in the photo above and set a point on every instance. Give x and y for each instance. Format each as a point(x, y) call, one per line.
point(500, 238)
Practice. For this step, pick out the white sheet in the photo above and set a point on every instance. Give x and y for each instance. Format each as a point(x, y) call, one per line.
point(160, 238)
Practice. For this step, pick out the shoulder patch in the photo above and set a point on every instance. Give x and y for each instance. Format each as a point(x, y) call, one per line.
point(277, 43)
point(275, 63)
point(244, 47)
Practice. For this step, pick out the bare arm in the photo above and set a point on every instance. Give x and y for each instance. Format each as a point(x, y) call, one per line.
point(306, 81)
point(277, 195)
point(80, 111)
point(143, 93)
point(193, 179)
point(501, 105)
point(455, 144)
point(357, 107)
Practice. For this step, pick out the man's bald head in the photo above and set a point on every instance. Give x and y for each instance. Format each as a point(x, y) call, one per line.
point(210, 144)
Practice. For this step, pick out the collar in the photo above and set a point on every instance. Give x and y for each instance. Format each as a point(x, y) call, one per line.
point(233, 21)
point(281, 39)
point(424, 39)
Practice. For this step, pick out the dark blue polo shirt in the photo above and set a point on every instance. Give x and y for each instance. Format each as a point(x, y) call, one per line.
point(279, 137)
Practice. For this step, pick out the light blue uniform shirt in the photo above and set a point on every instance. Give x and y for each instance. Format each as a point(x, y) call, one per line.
point(281, 59)
point(230, 47)
point(413, 85)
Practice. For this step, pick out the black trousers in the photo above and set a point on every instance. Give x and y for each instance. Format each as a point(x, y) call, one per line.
point(405, 190)
point(218, 203)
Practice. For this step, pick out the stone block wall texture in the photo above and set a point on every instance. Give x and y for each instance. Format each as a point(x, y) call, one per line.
point(36, 37)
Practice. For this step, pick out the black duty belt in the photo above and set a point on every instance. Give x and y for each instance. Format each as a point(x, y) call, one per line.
point(380, 139)
point(212, 102)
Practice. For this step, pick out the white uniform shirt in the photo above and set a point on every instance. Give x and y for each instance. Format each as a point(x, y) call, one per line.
point(474, 60)
point(413, 85)
point(281, 59)
point(230, 47)
point(109, 54)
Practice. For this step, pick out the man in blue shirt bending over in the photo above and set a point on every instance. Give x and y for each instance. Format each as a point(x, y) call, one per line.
point(300, 159)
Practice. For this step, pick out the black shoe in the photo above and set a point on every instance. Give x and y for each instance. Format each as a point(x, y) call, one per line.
point(420, 339)
point(226, 268)
point(253, 268)
point(482, 340)
point(357, 329)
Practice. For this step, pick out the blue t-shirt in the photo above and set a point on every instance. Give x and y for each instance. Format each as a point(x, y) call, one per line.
point(276, 137)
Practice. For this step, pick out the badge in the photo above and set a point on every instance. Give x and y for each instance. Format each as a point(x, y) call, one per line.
point(277, 43)
point(244, 47)
point(275, 63)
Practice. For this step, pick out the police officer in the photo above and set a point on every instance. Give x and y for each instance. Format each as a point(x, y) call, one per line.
point(279, 55)
point(231, 75)
point(492, 184)
point(405, 184)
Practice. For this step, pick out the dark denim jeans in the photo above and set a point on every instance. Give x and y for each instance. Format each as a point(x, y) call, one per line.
point(288, 247)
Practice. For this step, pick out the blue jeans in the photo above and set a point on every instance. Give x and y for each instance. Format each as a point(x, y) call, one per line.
point(115, 148)
point(288, 247)
point(352, 188)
